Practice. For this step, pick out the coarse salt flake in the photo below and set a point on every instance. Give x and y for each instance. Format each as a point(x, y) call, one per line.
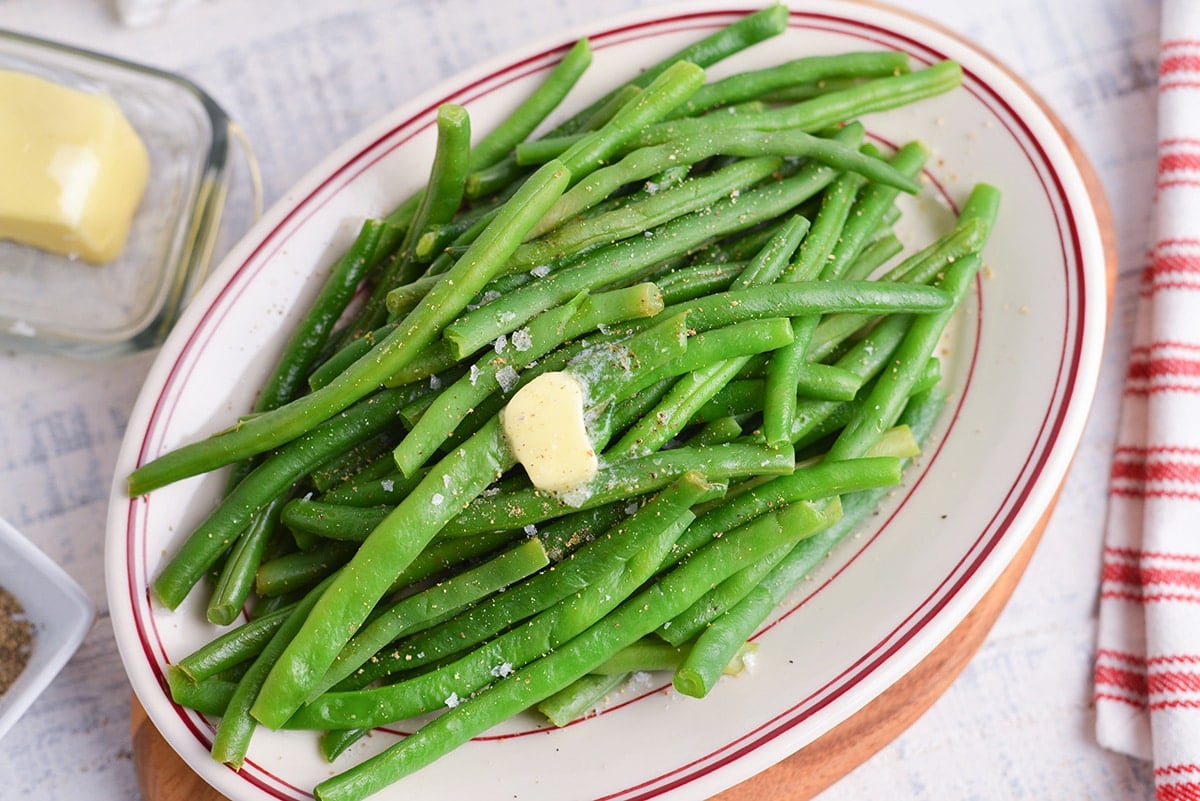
point(521, 340)
point(438, 499)
point(507, 377)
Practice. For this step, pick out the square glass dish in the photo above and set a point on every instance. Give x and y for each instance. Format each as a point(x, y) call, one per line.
point(56, 303)
point(57, 609)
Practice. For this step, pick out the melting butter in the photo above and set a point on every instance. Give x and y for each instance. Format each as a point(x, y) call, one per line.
point(72, 168)
point(545, 427)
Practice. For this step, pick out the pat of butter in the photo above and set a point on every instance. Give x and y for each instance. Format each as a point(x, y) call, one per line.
point(72, 169)
point(544, 425)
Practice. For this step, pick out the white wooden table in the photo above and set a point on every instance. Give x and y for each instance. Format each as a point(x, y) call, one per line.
point(302, 76)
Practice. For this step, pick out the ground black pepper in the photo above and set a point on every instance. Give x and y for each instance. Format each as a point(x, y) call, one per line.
point(16, 639)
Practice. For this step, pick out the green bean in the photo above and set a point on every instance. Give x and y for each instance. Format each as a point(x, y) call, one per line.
point(737, 399)
point(587, 693)
point(982, 205)
point(439, 200)
point(300, 569)
point(870, 209)
point(723, 43)
point(646, 655)
point(232, 738)
point(674, 85)
point(671, 416)
point(625, 479)
point(386, 488)
point(838, 152)
point(810, 297)
point(217, 532)
point(826, 381)
point(654, 527)
point(443, 192)
point(873, 256)
point(967, 237)
point(614, 354)
point(442, 262)
point(719, 431)
point(310, 337)
point(404, 298)
point(335, 741)
point(443, 303)
point(772, 260)
point(333, 521)
point(332, 367)
point(503, 173)
point(209, 697)
point(344, 465)
point(435, 363)
point(665, 254)
point(579, 697)
point(779, 397)
point(630, 621)
point(720, 643)
point(655, 209)
point(756, 83)
point(713, 359)
point(423, 609)
point(820, 112)
point(534, 109)
point(866, 358)
point(687, 283)
point(233, 647)
point(629, 410)
point(236, 580)
point(685, 627)
point(709, 346)
point(703, 381)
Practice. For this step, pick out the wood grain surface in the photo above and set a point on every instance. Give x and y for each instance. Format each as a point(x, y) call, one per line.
point(164, 776)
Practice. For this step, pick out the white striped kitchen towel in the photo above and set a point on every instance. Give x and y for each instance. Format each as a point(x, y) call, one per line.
point(1147, 675)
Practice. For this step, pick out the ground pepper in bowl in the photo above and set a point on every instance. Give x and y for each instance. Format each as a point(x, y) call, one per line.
point(16, 639)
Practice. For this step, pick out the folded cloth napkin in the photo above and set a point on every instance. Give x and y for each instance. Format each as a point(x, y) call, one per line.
point(1147, 676)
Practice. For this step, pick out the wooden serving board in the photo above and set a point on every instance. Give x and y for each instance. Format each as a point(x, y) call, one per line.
point(164, 776)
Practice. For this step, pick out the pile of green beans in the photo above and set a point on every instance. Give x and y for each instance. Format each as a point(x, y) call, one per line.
point(713, 261)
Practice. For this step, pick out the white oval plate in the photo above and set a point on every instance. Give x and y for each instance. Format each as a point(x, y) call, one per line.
point(1022, 372)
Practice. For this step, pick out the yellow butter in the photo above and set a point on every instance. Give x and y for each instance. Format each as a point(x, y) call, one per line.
point(545, 428)
point(72, 169)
